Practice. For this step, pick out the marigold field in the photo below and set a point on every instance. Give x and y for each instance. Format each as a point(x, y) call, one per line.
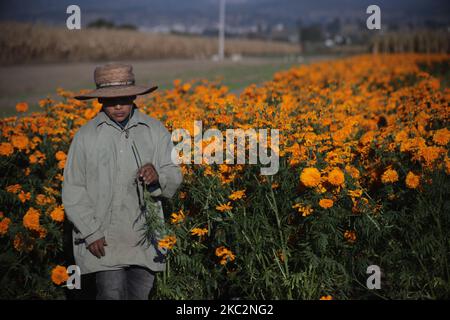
point(363, 180)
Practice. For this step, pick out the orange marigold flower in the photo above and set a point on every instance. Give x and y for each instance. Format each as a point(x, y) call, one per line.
point(225, 254)
point(326, 203)
point(224, 207)
point(389, 176)
point(412, 181)
point(168, 242)
point(60, 155)
point(24, 196)
point(42, 232)
point(31, 219)
point(15, 188)
point(350, 236)
point(18, 242)
point(6, 149)
point(59, 275)
point(336, 177)
point(239, 194)
point(4, 226)
point(177, 217)
point(447, 166)
point(441, 136)
point(310, 177)
point(62, 164)
point(328, 297)
point(42, 200)
point(22, 107)
point(57, 214)
point(199, 231)
point(20, 142)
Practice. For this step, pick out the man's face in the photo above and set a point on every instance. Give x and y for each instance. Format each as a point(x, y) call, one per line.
point(117, 108)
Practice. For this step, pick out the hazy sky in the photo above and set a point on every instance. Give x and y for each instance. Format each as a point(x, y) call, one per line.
point(152, 12)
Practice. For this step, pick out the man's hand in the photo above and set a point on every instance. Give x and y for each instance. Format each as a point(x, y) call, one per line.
point(97, 247)
point(148, 174)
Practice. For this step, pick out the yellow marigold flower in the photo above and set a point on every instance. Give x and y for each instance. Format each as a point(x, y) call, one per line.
point(199, 231)
point(355, 193)
point(6, 149)
point(22, 107)
point(303, 210)
point(328, 297)
point(31, 219)
point(225, 254)
point(441, 136)
point(326, 203)
point(224, 207)
point(350, 236)
point(20, 142)
point(4, 226)
point(60, 155)
point(389, 176)
point(310, 177)
point(320, 188)
point(57, 214)
point(239, 194)
point(352, 171)
point(168, 242)
point(59, 275)
point(177, 217)
point(412, 181)
point(336, 177)
point(15, 188)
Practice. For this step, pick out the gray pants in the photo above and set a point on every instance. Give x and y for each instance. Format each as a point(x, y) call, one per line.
point(131, 283)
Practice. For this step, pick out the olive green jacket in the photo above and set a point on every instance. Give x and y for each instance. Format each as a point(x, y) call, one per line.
point(100, 194)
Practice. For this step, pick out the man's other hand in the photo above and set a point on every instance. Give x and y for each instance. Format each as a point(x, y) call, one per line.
point(148, 174)
point(97, 247)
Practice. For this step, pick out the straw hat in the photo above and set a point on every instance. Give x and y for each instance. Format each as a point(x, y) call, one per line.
point(115, 80)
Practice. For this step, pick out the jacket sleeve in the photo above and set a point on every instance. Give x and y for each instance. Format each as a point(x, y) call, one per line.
point(170, 176)
point(79, 207)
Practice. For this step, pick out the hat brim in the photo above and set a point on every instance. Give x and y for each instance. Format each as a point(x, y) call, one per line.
point(117, 91)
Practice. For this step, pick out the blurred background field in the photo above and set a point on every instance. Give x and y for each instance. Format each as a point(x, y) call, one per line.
point(30, 83)
point(171, 39)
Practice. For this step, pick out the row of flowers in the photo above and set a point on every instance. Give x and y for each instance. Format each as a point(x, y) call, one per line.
point(359, 134)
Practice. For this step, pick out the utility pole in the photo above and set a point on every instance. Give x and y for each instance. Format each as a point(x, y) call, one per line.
point(222, 30)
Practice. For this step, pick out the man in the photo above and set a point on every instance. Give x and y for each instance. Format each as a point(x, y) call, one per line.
point(110, 161)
